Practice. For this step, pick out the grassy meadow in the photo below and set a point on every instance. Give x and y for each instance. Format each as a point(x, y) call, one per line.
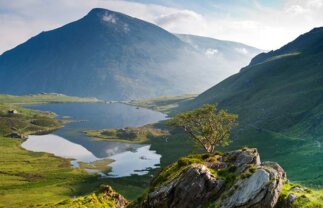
point(25, 121)
point(31, 178)
point(43, 98)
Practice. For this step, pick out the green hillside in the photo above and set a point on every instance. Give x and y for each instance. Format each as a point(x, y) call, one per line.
point(279, 99)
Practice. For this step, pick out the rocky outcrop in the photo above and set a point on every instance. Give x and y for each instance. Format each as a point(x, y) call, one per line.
point(202, 187)
point(261, 190)
point(118, 200)
point(234, 179)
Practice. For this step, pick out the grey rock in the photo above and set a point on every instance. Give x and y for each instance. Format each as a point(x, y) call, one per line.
point(249, 156)
point(243, 158)
point(191, 189)
point(196, 186)
point(290, 200)
point(260, 190)
point(118, 199)
point(248, 190)
point(277, 167)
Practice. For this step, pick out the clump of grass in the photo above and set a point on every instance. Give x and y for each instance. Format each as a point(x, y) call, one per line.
point(245, 148)
point(228, 174)
point(185, 161)
point(248, 172)
point(306, 197)
point(172, 171)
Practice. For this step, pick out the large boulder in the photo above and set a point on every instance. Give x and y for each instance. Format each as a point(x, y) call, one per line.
point(260, 190)
point(234, 179)
point(192, 188)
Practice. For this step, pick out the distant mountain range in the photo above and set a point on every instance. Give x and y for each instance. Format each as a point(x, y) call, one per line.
point(280, 91)
point(110, 55)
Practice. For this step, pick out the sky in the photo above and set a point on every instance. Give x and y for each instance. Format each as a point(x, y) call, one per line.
point(265, 24)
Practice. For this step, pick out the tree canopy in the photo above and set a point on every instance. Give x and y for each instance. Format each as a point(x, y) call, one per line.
point(208, 126)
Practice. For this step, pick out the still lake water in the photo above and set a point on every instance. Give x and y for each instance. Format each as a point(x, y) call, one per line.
point(70, 142)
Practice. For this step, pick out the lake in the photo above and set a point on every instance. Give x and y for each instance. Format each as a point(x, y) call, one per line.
point(69, 142)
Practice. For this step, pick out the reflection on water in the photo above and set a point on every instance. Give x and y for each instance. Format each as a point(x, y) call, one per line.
point(70, 142)
point(58, 146)
point(136, 161)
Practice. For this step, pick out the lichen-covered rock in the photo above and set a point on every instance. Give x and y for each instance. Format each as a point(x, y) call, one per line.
point(261, 190)
point(277, 167)
point(236, 179)
point(192, 189)
point(243, 158)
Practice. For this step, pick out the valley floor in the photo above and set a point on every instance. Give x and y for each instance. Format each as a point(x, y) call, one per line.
point(30, 178)
point(41, 179)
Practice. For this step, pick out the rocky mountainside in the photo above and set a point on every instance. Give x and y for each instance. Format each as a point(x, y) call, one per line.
point(110, 55)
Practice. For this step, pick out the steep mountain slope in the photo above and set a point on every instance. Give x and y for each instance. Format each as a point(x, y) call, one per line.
point(108, 55)
point(279, 91)
point(279, 99)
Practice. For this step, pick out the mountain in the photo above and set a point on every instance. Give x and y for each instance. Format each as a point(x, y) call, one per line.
point(279, 99)
point(280, 90)
point(108, 55)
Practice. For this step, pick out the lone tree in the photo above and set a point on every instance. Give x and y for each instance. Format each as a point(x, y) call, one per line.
point(208, 126)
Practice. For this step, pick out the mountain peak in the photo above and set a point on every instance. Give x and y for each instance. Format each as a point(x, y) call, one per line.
point(104, 14)
point(99, 11)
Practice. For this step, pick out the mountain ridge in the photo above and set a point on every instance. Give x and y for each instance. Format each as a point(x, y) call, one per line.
point(108, 55)
point(301, 43)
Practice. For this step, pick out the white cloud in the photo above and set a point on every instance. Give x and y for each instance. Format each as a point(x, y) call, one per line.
point(315, 3)
point(177, 17)
point(263, 27)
